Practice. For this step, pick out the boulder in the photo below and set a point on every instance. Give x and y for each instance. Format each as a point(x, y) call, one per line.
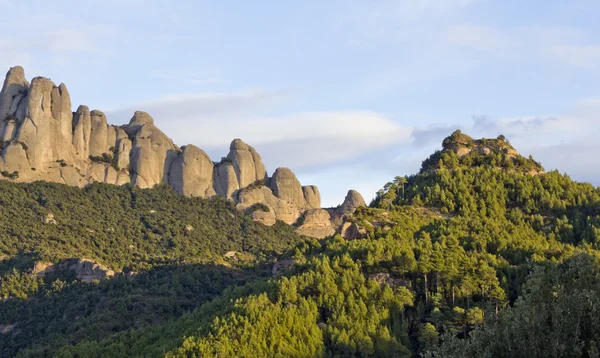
point(49, 219)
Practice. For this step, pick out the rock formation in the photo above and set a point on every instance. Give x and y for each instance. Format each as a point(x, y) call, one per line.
point(83, 269)
point(42, 139)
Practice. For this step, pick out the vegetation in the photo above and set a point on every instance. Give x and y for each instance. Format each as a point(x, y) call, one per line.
point(106, 158)
point(476, 259)
point(13, 175)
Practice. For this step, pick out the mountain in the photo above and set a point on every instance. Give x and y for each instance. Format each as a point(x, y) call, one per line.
point(480, 254)
point(42, 139)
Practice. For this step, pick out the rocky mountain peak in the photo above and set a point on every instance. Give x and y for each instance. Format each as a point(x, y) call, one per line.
point(42, 139)
point(461, 150)
point(352, 201)
point(463, 144)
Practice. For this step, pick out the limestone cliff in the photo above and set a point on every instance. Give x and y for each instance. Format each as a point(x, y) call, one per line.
point(42, 139)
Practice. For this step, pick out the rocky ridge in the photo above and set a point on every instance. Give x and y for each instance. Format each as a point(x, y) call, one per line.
point(42, 139)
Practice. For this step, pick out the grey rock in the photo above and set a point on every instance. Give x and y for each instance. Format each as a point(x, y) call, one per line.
point(286, 187)
point(152, 154)
point(312, 196)
point(316, 224)
point(192, 172)
point(82, 131)
point(353, 200)
point(98, 138)
point(225, 180)
point(12, 94)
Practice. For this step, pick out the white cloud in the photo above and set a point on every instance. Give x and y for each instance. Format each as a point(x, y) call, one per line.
point(52, 36)
point(302, 139)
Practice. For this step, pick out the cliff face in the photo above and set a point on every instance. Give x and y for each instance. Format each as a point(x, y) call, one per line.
point(42, 139)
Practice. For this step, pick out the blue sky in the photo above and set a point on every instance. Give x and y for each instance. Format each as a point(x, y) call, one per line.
point(348, 94)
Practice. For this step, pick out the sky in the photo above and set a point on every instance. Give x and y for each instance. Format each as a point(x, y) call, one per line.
point(346, 93)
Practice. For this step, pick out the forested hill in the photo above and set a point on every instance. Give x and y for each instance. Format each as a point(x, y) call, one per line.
point(480, 254)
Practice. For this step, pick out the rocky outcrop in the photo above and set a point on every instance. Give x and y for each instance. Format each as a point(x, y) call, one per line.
point(42, 139)
point(225, 180)
point(339, 216)
point(88, 271)
point(281, 266)
point(192, 172)
point(83, 269)
point(312, 196)
point(286, 186)
point(152, 153)
point(351, 231)
point(246, 163)
point(317, 223)
point(282, 209)
point(352, 201)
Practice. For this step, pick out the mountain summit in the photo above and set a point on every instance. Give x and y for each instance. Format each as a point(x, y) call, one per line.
point(42, 139)
point(461, 150)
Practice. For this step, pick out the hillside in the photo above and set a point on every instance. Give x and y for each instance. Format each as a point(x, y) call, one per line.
point(497, 254)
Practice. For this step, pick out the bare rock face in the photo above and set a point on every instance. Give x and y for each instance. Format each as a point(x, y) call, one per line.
point(123, 150)
point(246, 162)
point(152, 153)
point(88, 271)
point(267, 218)
point(140, 118)
point(351, 231)
point(312, 196)
point(42, 128)
point(353, 200)
point(286, 186)
point(82, 131)
point(225, 180)
point(84, 269)
point(316, 224)
point(99, 133)
point(281, 266)
point(281, 209)
point(12, 95)
point(192, 172)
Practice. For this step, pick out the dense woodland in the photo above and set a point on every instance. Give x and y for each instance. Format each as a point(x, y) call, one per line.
point(481, 255)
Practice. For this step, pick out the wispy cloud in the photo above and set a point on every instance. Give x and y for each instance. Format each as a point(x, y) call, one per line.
point(297, 140)
point(53, 36)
